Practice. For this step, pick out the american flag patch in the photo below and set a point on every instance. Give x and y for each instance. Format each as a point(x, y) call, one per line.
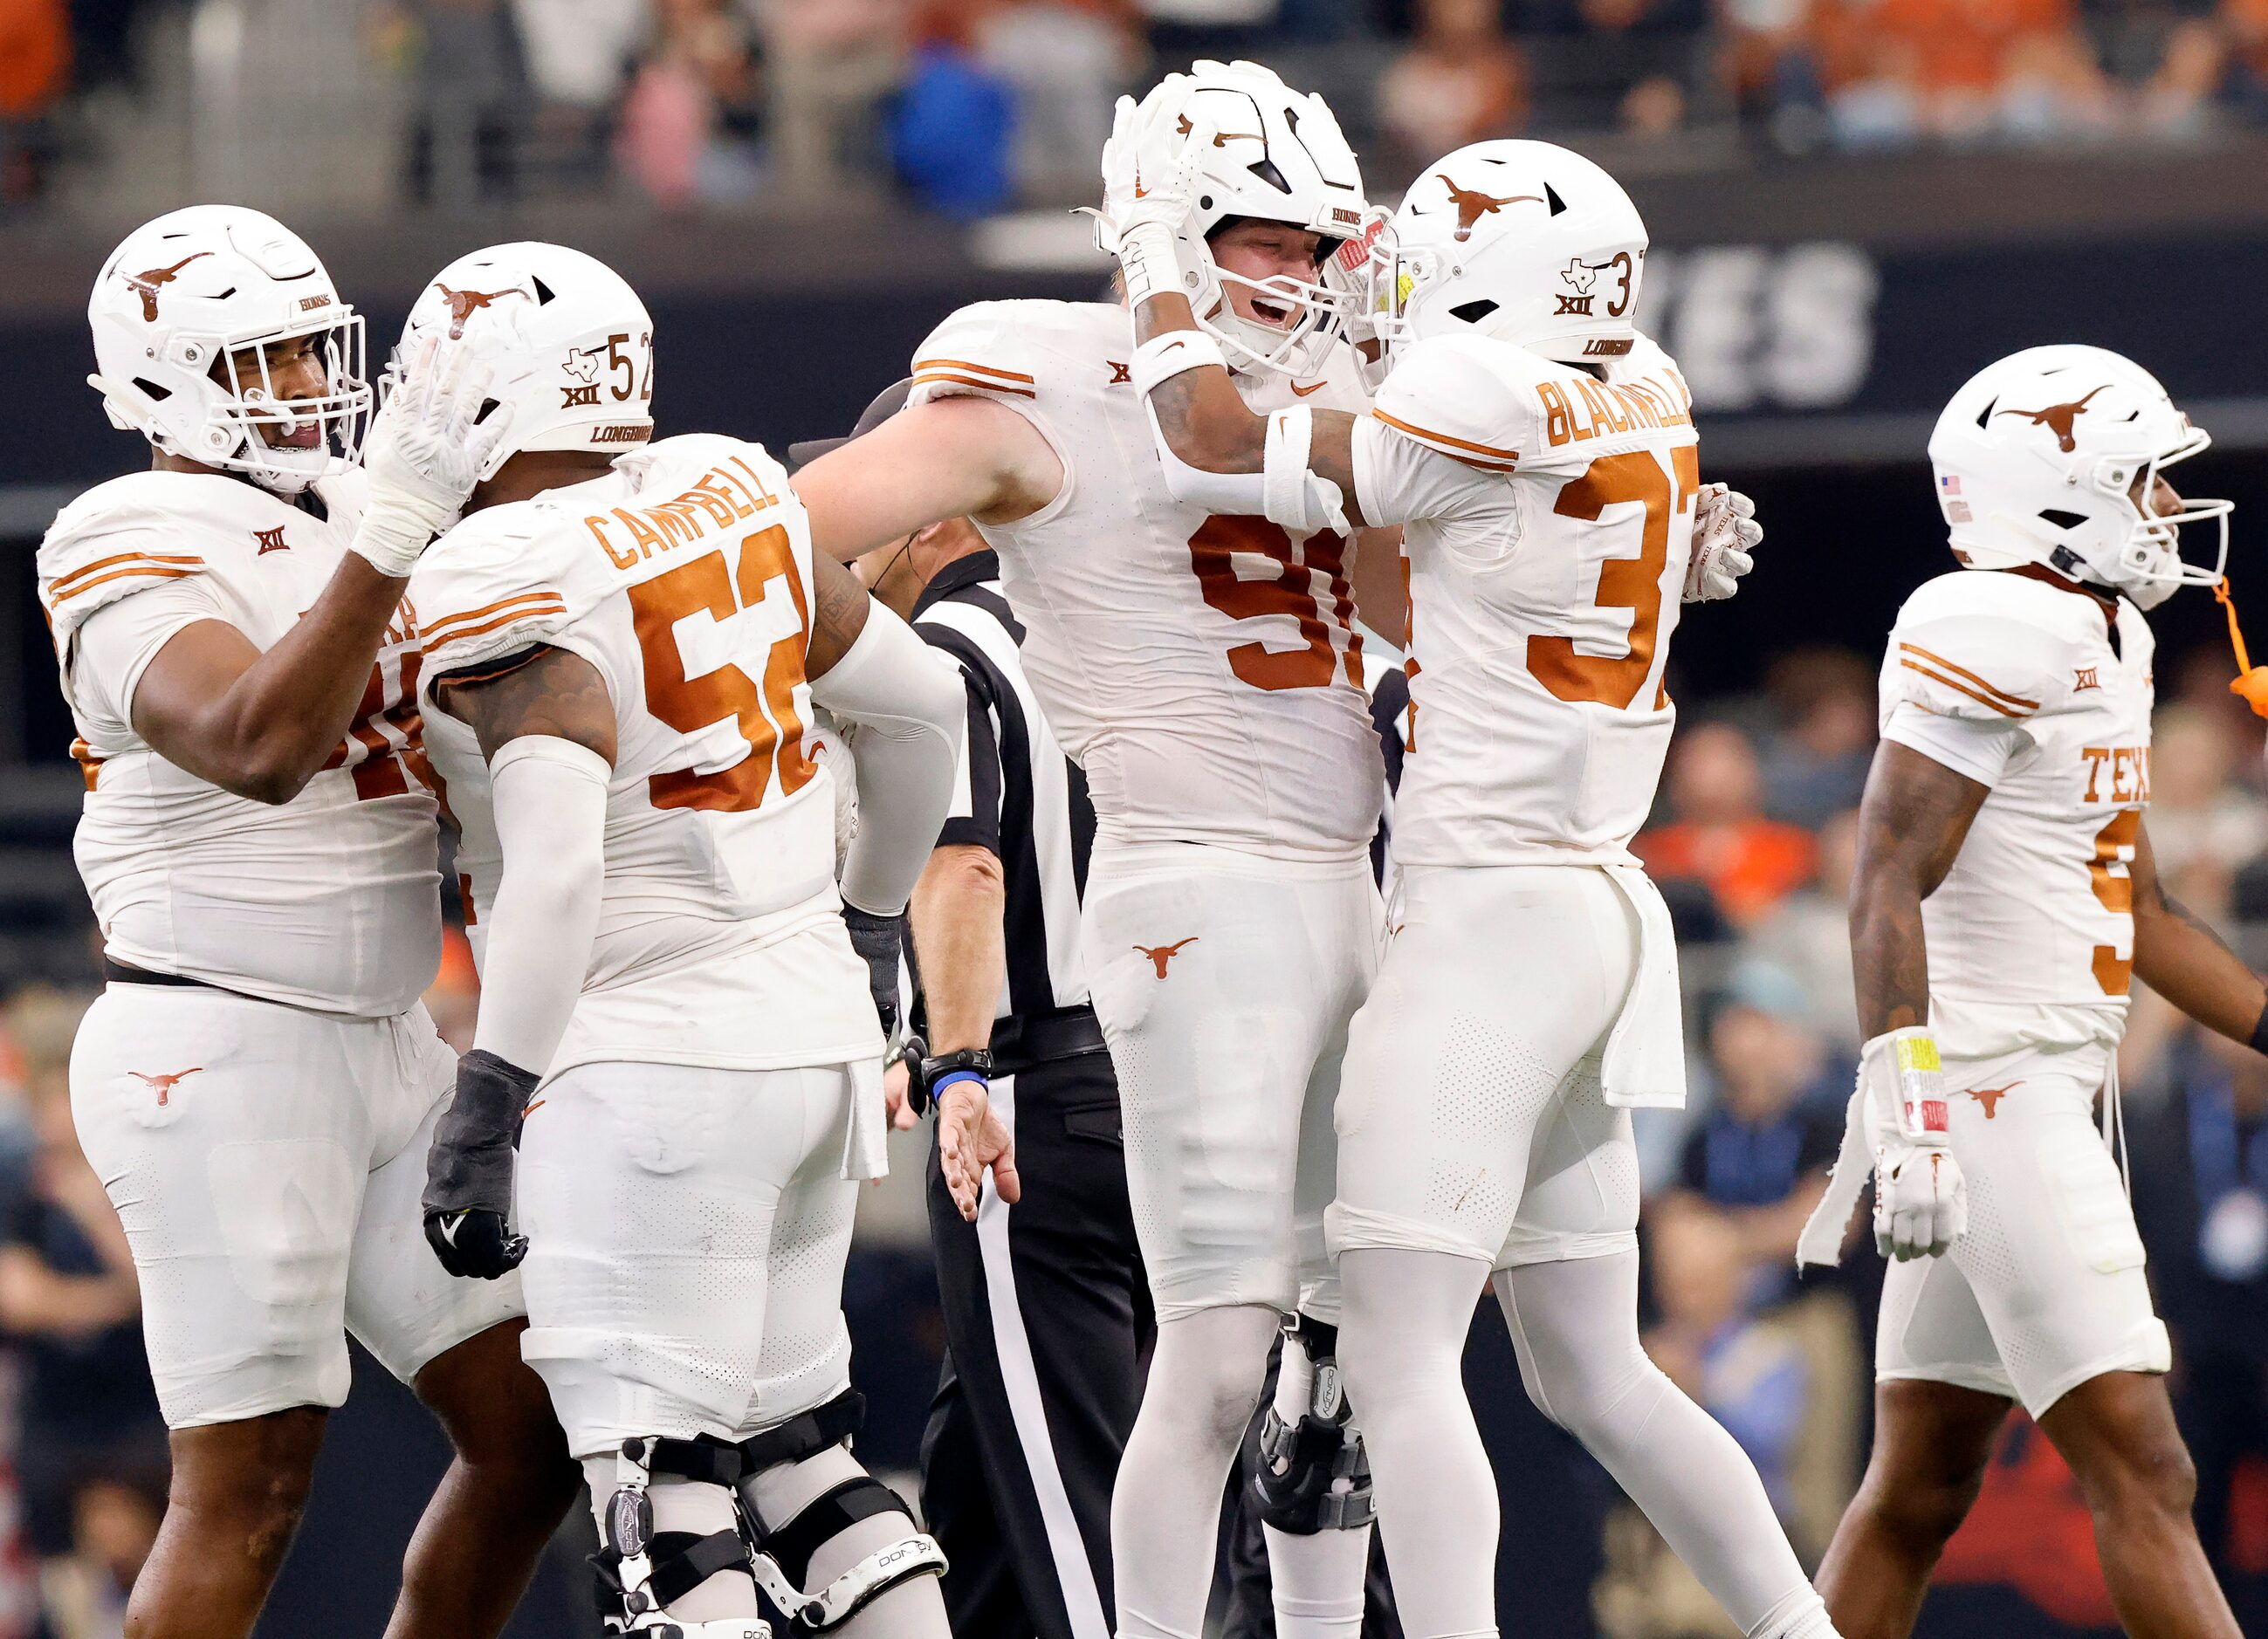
point(1949, 484)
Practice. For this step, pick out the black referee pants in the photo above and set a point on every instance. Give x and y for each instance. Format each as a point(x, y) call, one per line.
point(1048, 1330)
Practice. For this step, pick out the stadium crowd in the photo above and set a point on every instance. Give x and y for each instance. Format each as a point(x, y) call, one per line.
point(1753, 845)
point(974, 105)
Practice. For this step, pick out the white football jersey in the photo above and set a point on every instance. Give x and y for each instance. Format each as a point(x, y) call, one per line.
point(684, 575)
point(1203, 671)
point(328, 901)
point(1548, 520)
point(2017, 683)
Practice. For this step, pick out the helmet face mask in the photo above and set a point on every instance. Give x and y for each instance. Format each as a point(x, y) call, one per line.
point(2053, 457)
point(1277, 155)
point(184, 315)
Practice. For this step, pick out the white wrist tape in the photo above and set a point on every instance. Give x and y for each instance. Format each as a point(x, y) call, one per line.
point(1162, 358)
point(1291, 495)
point(396, 528)
point(549, 798)
point(1146, 256)
point(1902, 1074)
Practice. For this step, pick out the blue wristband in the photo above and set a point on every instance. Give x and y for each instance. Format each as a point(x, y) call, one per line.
point(937, 1088)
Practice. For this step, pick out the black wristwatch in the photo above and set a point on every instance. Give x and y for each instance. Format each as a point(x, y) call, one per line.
point(927, 1077)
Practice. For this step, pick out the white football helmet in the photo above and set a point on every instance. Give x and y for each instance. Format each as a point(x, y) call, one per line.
point(2036, 461)
point(569, 343)
point(1526, 242)
point(199, 294)
point(1278, 155)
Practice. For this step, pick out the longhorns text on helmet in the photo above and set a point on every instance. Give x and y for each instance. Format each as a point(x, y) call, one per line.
point(185, 314)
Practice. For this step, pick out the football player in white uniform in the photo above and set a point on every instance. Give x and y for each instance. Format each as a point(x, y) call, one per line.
point(2004, 900)
point(621, 648)
point(1540, 455)
point(1204, 672)
point(257, 1083)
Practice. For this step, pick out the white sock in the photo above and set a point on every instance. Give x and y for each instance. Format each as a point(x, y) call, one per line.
point(1575, 1325)
point(1316, 1581)
point(1165, 1511)
point(1402, 1343)
point(683, 1505)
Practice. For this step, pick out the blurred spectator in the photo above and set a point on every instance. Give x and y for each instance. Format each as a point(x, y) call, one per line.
point(1064, 61)
point(35, 59)
point(1815, 766)
point(1808, 934)
point(2243, 35)
point(2199, 1172)
point(1964, 71)
point(579, 56)
point(831, 63)
point(1772, 62)
point(1182, 31)
point(115, 1519)
point(1719, 836)
point(1749, 1377)
point(952, 131)
point(1757, 1159)
point(1461, 81)
point(690, 105)
point(69, 1299)
point(2204, 821)
point(465, 103)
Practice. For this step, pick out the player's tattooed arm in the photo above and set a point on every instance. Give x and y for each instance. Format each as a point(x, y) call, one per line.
point(840, 603)
point(2178, 954)
point(1207, 425)
point(541, 690)
point(1911, 821)
point(261, 724)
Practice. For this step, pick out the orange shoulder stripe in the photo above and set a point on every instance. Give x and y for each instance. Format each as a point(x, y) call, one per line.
point(928, 377)
point(1491, 459)
point(548, 602)
point(150, 570)
point(921, 364)
point(62, 587)
point(505, 619)
point(1963, 670)
point(1963, 689)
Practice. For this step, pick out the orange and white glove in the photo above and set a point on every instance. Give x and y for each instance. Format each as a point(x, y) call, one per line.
point(1921, 1199)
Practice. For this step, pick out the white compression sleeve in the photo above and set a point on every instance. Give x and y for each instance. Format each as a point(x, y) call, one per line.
point(1284, 491)
point(550, 806)
point(912, 711)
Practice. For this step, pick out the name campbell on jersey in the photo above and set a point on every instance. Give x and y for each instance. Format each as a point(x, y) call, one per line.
point(2018, 684)
point(683, 577)
point(1203, 671)
point(327, 902)
point(1548, 523)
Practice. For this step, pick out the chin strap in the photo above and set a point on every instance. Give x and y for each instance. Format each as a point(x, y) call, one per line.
point(2251, 684)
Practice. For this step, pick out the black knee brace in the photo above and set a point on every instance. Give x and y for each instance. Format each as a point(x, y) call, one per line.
point(1296, 1480)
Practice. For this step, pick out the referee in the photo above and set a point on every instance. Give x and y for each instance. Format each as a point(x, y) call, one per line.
point(1047, 1310)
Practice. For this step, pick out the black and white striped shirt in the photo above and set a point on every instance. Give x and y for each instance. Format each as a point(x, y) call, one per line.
point(1019, 796)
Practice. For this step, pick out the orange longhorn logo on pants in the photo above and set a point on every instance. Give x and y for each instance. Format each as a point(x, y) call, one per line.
point(1160, 955)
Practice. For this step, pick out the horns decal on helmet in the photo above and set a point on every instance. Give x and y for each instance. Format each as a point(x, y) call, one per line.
point(1472, 205)
point(146, 285)
point(2059, 419)
point(464, 303)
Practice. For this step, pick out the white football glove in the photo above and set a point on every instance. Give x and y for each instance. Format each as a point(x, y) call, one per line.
point(424, 454)
point(1921, 1199)
point(1725, 533)
point(1152, 167)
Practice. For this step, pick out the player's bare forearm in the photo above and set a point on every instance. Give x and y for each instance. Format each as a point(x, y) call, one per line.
point(262, 725)
point(954, 457)
point(1911, 821)
point(959, 939)
point(840, 602)
point(2178, 954)
point(544, 691)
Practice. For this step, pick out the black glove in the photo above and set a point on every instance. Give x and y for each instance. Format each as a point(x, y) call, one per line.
point(468, 1171)
point(878, 939)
